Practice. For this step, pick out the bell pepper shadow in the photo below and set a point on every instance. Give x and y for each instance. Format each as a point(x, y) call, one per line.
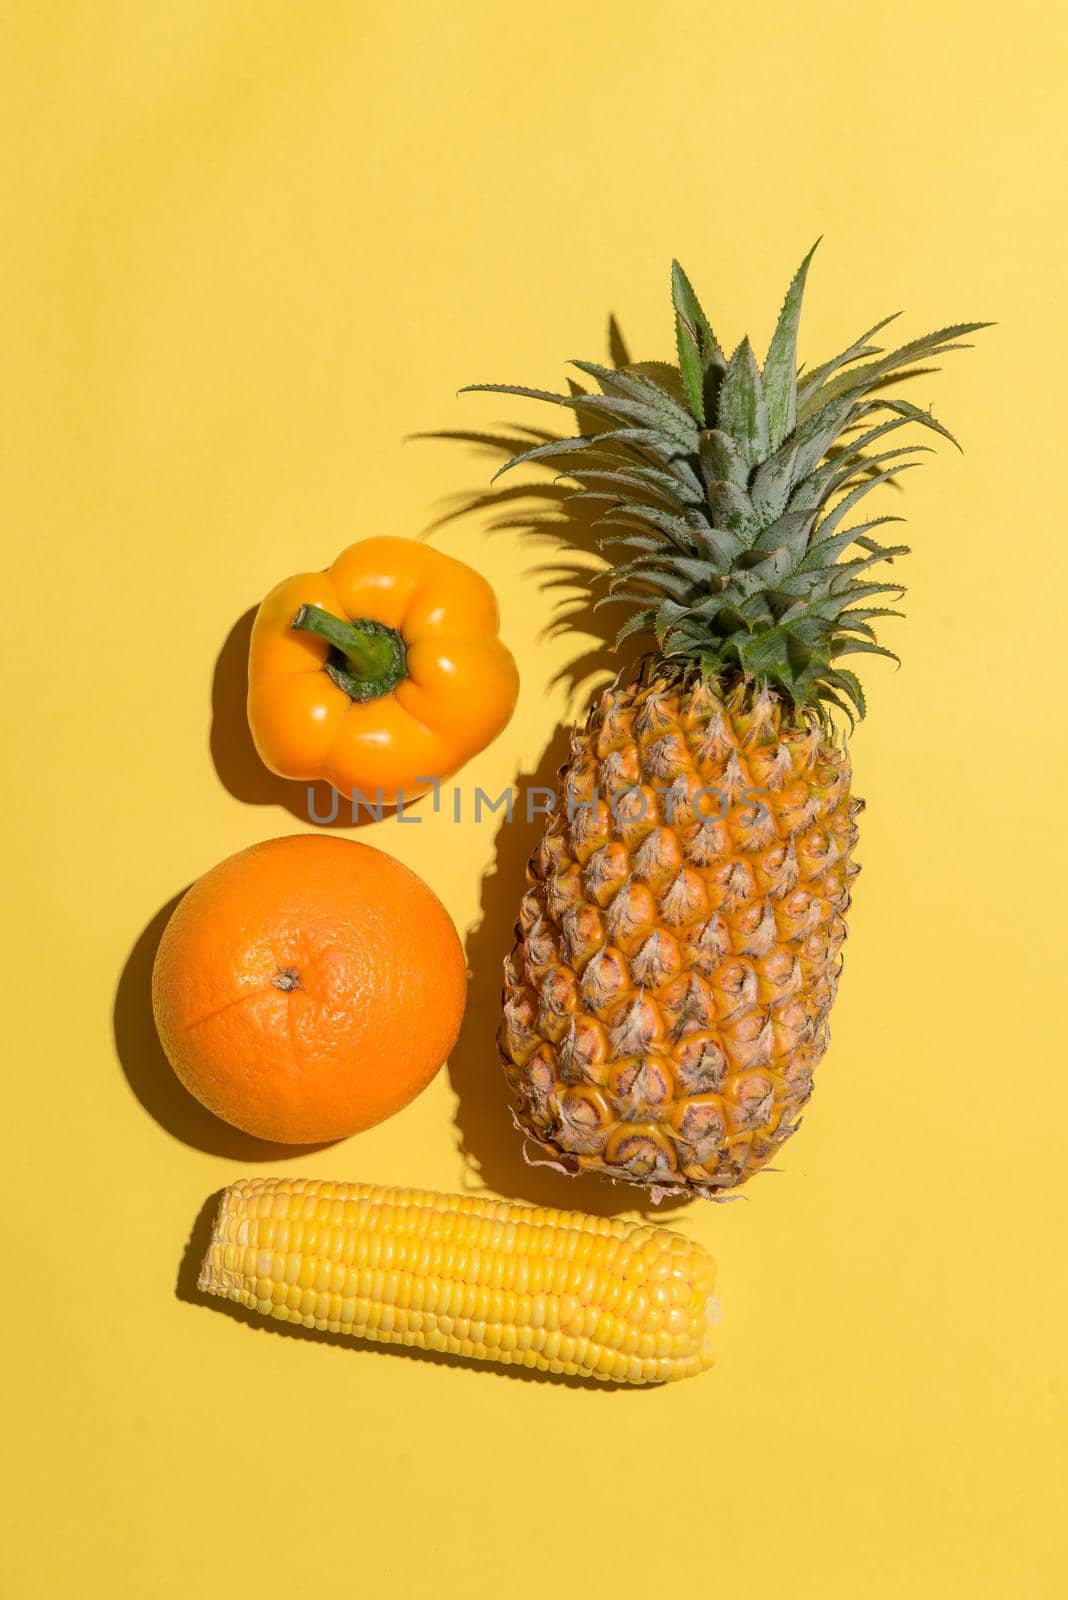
point(237, 761)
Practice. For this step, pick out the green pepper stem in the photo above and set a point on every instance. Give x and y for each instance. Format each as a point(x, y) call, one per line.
point(367, 659)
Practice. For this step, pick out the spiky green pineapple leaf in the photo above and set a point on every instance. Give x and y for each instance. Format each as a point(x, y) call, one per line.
point(635, 386)
point(811, 440)
point(862, 379)
point(720, 547)
point(640, 480)
point(522, 390)
point(854, 589)
point(866, 647)
point(853, 498)
point(759, 652)
point(728, 490)
point(822, 552)
point(864, 613)
point(663, 373)
point(621, 597)
point(667, 612)
point(646, 542)
point(544, 452)
point(640, 622)
point(691, 368)
point(843, 630)
point(694, 569)
point(827, 697)
point(642, 413)
point(780, 364)
point(659, 579)
point(859, 350)
point(792, 529)
point(871, 470)
point(848, 682)
point(721, 459)
point(743, 410)
point(700, 356)
point(674, 528)
point(864, 438)
point(910, 413)
point(773, 481)
point(732, 509)
point(775, 563)
point(815, 489)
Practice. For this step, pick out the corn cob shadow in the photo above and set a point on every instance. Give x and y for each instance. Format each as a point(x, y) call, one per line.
point(187, 1290)
point(149, 1073)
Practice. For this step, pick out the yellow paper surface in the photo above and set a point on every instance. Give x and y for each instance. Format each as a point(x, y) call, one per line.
point(249, 248)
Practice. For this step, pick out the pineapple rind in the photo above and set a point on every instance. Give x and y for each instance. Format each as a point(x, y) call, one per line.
point(667, 998)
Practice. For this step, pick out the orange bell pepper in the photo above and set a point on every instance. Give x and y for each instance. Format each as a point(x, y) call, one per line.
point(381, 674)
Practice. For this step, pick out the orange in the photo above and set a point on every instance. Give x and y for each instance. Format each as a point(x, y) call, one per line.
point(308, 987)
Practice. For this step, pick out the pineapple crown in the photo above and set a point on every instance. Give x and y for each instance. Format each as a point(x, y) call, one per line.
point(730, 482)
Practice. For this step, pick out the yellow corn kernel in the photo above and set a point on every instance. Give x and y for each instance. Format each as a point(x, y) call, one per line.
point(555, 1290)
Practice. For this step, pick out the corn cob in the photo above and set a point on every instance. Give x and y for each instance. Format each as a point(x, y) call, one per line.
point(556, 1290)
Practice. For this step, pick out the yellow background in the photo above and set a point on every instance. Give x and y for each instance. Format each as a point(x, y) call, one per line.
point(249, 248)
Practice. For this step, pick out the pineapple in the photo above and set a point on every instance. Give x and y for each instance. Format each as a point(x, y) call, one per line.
point(679, 944)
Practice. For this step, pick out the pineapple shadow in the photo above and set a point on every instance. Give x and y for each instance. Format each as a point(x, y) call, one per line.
point(562, 529)
point(490, 1142)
